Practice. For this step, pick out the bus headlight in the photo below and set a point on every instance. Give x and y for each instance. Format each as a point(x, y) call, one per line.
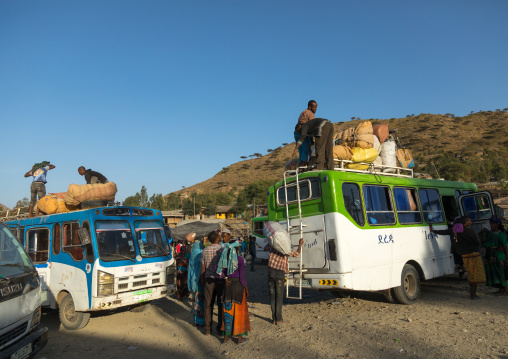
point(170, 274)
point(36, 317)
point(106, 284)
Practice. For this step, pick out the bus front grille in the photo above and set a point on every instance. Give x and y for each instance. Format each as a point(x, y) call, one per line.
point(139, 283)
point(135, 282)
point(13, 334)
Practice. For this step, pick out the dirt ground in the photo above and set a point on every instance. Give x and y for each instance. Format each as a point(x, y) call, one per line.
point(444, 323)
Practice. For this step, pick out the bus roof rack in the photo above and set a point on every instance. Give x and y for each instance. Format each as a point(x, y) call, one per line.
point(340, 165)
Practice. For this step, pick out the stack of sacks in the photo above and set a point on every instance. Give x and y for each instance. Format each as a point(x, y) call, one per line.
point(364, 155)
point(54, 203)
point(359, 136)
point(90, 192)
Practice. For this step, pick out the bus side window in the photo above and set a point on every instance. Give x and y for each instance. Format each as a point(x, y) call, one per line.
point(90, 257)
point(71, 243)
point(353, 202)
point(431, 206)
point(477, 207)
point(451, 209)
point(406, 201)
point(56, 238)
point(378, 205)
point(37, 244)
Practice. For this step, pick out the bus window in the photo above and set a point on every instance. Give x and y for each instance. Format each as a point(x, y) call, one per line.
point(431, 205)
point(407, 205)
point(353, 202)
point(71, 243)
point(450, 207)
point(37, 244)
point(477, 207)
point(56, 238)
point(151, 239)
point(15, 233)
point(258, 228)
point(309, 189)
point(378, 205)
point(90, 257)
point(114, 241)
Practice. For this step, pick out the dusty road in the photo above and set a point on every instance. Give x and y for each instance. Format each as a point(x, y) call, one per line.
point(445, 323)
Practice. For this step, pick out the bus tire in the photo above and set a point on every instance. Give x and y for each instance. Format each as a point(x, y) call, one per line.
point(388, 294)
point(138, 308)
point(70, 319)
point(409, 291)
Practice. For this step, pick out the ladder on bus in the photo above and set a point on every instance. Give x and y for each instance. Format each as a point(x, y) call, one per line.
point(294, 229)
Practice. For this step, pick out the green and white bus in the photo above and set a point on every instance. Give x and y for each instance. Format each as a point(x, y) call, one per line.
point(257, 231)
point(369, 231)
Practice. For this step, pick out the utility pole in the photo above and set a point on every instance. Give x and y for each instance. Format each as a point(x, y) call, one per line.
point(254, 207)
point(194, 202)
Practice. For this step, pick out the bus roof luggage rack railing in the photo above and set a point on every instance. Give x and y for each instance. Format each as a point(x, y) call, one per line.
point(340, 165)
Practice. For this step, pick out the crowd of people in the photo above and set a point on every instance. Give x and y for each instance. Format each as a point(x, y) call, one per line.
point(485, 259)
point(212, 272)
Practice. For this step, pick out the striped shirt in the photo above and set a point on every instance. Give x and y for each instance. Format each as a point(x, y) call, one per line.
point(210, 259)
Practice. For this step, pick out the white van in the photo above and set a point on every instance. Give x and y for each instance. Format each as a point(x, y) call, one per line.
point(20, 301)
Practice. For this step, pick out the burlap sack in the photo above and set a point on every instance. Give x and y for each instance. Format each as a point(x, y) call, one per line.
point(381, 131)
point(90, 192)
point(404, 158)
point(342, 152)
point(365, 155)
point(359, 136)
point(51, 204)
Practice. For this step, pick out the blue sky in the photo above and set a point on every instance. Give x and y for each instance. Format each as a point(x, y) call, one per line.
point(166, 93)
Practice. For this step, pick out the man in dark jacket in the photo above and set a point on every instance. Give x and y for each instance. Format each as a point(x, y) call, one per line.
point(322, 130)
point(92, 177)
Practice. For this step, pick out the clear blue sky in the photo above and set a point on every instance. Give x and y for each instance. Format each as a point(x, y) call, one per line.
point(166, 93)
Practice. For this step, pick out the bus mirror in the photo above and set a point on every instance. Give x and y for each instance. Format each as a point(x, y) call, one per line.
point(84, 237)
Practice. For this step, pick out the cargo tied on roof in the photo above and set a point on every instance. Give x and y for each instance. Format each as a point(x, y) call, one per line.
point(76, 194)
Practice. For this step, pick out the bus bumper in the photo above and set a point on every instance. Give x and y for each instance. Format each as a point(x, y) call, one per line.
point(28, 346)
point(132, 297)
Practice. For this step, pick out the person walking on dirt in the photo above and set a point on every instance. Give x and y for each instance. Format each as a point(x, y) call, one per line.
point(322, 130)
point(278, 267)
point(92, 177)
point(305, 116)
point(38, 186)
point(214, 286)
point(252, 251)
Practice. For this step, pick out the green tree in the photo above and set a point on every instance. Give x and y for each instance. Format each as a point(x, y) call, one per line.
point(132, 201)
point(143, 197)
point(210, 210)
point(22, 202)
point(255, 192)
point(188, 207)
point(157, 202)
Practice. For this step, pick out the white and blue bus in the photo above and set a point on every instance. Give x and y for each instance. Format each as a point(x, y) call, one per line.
point(98, 259)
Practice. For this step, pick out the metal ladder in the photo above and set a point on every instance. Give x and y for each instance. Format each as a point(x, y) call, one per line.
point(294, 229)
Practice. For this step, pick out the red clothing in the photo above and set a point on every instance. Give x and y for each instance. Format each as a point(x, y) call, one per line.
point(305, 116)
point(279, 261)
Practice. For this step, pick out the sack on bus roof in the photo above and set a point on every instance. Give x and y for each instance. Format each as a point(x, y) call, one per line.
point(365, 155)
point(405, 158)
point(359, 136)
point(78, 193)
point(342, 152)
point(381, 132)
point(388, 156)
point(278, 237)
point(51, 204)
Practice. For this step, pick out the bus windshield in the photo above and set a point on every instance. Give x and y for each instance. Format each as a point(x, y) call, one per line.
point(13, 259)
point(114, 241)
point(152, 241)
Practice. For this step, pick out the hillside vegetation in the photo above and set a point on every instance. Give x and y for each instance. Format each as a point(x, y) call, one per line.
point(472, 148)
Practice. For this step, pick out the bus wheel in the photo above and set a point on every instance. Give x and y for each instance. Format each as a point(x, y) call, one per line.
point(70, 319)
point(138, 308)
point(409, 291)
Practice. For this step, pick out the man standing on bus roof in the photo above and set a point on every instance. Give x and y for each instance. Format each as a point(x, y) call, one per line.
point(92, 177)
point(322, 130)
point(278, 267)
point(38, 186)
point(305, 116)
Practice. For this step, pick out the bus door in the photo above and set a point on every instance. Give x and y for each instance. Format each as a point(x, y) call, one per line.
point(480, 207)
point(36, 244)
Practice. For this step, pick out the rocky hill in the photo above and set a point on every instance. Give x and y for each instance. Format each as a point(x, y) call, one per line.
point(470, 148)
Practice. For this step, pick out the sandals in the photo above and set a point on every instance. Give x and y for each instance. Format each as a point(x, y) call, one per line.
point(241, 340)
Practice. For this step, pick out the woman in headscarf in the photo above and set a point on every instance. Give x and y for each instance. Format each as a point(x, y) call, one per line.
point(182, 263)
point(236, 321)
point(195, 285)
point(496, 254)
point(467, 245)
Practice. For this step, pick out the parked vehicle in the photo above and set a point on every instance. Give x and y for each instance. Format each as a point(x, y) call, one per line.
point(98, 259)
point(368, 230)
point(20, 302)
point(257, 231)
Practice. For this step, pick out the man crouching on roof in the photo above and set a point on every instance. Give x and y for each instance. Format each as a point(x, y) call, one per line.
point(322, 130)
point(278, 267)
